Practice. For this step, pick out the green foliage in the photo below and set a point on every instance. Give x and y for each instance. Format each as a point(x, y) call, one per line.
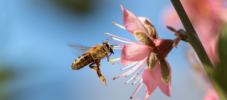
point(221, 73)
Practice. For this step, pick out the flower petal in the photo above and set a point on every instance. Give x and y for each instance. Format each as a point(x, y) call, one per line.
point(170, 17)
point(131, 22)
point(134, 52)
point(151, 79)
point(211, 95)
point(223, 14)
point(166, 87)
point(149, 26)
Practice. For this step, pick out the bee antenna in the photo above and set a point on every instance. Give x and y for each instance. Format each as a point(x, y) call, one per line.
point(114, 45)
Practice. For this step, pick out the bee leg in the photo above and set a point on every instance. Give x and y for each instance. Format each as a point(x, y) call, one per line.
point(98, 71)
point(107, 57)
point(91, 65)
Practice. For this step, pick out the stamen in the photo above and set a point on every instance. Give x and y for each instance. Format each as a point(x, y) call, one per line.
point(132, 70)
point(113, 60)
point(141, 71)
point(137, 66)
point(120, 26)
point(121, 75)
point(130, 65)
point(118, 48)
point(116, 63)
point(136, 72)
point(120, 40)
point(138, 88)
point(147, 96)
point(137, 79)
point(115, 42)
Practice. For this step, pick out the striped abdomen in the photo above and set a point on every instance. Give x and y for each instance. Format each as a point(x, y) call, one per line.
point(82, 61)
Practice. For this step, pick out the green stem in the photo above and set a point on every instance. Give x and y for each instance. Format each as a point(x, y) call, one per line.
point(197, 46)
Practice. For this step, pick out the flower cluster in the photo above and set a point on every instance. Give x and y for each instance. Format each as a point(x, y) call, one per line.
point(150, 51)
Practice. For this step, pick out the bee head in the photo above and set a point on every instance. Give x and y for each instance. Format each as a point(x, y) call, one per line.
point(108, 47)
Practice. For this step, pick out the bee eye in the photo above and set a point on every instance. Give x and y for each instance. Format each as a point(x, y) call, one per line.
point(107, 45)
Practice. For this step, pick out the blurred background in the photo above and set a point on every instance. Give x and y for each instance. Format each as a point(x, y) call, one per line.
point(35, 60)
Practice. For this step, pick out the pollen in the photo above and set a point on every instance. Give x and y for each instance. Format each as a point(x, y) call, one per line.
point(113, 23)
point(137, 73)
point(107, 39)
point(131, 97)
point(105, 33)
point(132, 83)
point(125, 82)
point(125, 75)
point(134, 78)
point(112, 63)
point(114, 78)
point(121, 69)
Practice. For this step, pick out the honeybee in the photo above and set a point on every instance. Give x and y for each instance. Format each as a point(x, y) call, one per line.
point(93, 56)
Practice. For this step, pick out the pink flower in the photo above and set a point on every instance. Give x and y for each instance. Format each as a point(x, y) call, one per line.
point(197, 66)
point(211, 95)
point(150, 50)
point(207, 17)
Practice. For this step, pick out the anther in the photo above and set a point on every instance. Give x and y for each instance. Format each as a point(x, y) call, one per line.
point(125, 75)
point(105, 33)
point(112, 60)
point(131, 97)
point(119, 27)
point(112, 63)
point(132, 83)
point(114, 78)
point(121, 69)
point(113, 23)
point(107, 39)
point(134, 78)
point(137, 73)
point(125, 82)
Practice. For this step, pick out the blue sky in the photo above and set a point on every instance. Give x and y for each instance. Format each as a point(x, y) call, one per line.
point(34, 35)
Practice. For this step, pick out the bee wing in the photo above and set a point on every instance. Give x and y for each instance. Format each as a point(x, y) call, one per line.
point(80, 47)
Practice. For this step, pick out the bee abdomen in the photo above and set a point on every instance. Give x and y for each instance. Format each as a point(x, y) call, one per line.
point(82, 61)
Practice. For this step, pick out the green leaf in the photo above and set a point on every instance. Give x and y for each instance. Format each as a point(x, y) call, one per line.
point(150, 29)
point(143, 38)
point(221, 67)
point(222, 46)
point(152, 60)
point(164, 70)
